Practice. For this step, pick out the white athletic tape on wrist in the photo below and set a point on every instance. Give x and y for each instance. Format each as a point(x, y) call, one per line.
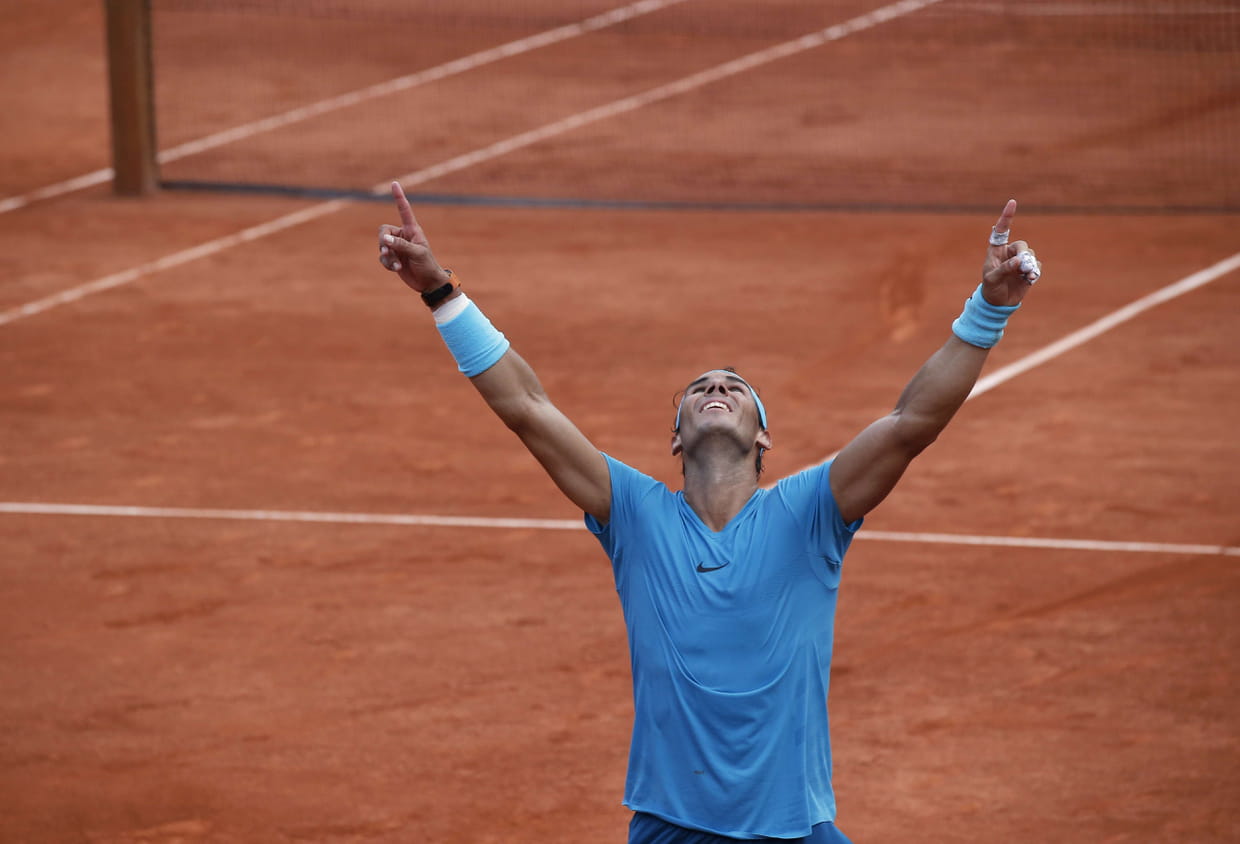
point(451, 309)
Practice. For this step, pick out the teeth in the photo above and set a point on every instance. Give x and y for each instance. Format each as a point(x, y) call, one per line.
point(718, 404)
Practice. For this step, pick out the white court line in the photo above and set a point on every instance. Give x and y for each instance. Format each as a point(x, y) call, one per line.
point(1093, 9)
point(1003, 375)
point(1105, 324)
point(98, 177)
point(617, 107)
point(1060, 544)
point(1089, 332)
point(410, 520)
point(461, 162)
point(176, 259)
point(286, 516)
point(352, 98)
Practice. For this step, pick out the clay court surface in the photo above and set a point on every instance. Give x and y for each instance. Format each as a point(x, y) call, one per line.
point(168, 678)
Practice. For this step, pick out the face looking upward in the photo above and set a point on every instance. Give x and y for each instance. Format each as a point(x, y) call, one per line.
point(721, 403)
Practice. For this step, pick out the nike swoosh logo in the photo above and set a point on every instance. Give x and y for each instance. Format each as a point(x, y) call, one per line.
point(704, 567)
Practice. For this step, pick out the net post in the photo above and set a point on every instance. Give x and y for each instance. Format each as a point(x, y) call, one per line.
point(131, 88)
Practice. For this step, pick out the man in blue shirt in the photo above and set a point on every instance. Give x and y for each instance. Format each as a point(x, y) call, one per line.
point(728, 590)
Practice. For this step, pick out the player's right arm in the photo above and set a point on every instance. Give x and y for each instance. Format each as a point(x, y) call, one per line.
point(507, 384)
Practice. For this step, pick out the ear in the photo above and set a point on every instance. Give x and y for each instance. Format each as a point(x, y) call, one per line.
point(676, 445)
point(764, 440)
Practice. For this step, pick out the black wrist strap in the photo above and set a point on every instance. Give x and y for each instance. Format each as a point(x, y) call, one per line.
point(432, 298)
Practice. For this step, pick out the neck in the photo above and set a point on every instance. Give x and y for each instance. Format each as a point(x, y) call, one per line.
point(718, 489)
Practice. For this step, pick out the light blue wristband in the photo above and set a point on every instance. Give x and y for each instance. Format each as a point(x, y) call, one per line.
point(981, 324)
point(473, 341)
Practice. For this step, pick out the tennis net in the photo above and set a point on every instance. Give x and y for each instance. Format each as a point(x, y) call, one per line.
point(1110, 104)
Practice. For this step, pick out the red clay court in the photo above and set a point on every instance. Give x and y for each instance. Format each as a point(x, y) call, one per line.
point(270, 572)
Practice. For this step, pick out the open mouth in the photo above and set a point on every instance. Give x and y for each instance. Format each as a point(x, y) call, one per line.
point(715, 405)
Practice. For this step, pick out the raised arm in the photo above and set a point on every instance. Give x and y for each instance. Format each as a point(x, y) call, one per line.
point(867, 469)
point(505, 381)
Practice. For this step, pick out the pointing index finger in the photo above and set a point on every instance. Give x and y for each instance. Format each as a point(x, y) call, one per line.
point(402, 206)
point(1005, 219)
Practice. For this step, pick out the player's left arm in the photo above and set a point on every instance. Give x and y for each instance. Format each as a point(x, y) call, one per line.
point(868, 468)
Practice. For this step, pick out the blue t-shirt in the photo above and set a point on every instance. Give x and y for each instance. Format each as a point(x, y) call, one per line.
point(730, 637)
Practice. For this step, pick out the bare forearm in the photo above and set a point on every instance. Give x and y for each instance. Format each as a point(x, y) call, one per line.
point(505, 381)
point(511, 389)
point(868, 468)
point(936, 392)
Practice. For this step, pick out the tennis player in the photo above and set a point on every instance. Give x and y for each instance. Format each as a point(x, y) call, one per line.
point(728, 590)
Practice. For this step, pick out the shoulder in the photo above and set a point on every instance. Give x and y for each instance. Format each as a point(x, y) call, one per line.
point(624, 475)
point(812, 483)
point(632, 492)
point(808, 496)
point(640, 505)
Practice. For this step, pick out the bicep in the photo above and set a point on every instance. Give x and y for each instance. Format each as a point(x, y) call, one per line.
point(511, 389)
point(578, 468)
point(868, 468)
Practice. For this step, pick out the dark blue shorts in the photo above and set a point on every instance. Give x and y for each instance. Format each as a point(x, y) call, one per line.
point(647, 829)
